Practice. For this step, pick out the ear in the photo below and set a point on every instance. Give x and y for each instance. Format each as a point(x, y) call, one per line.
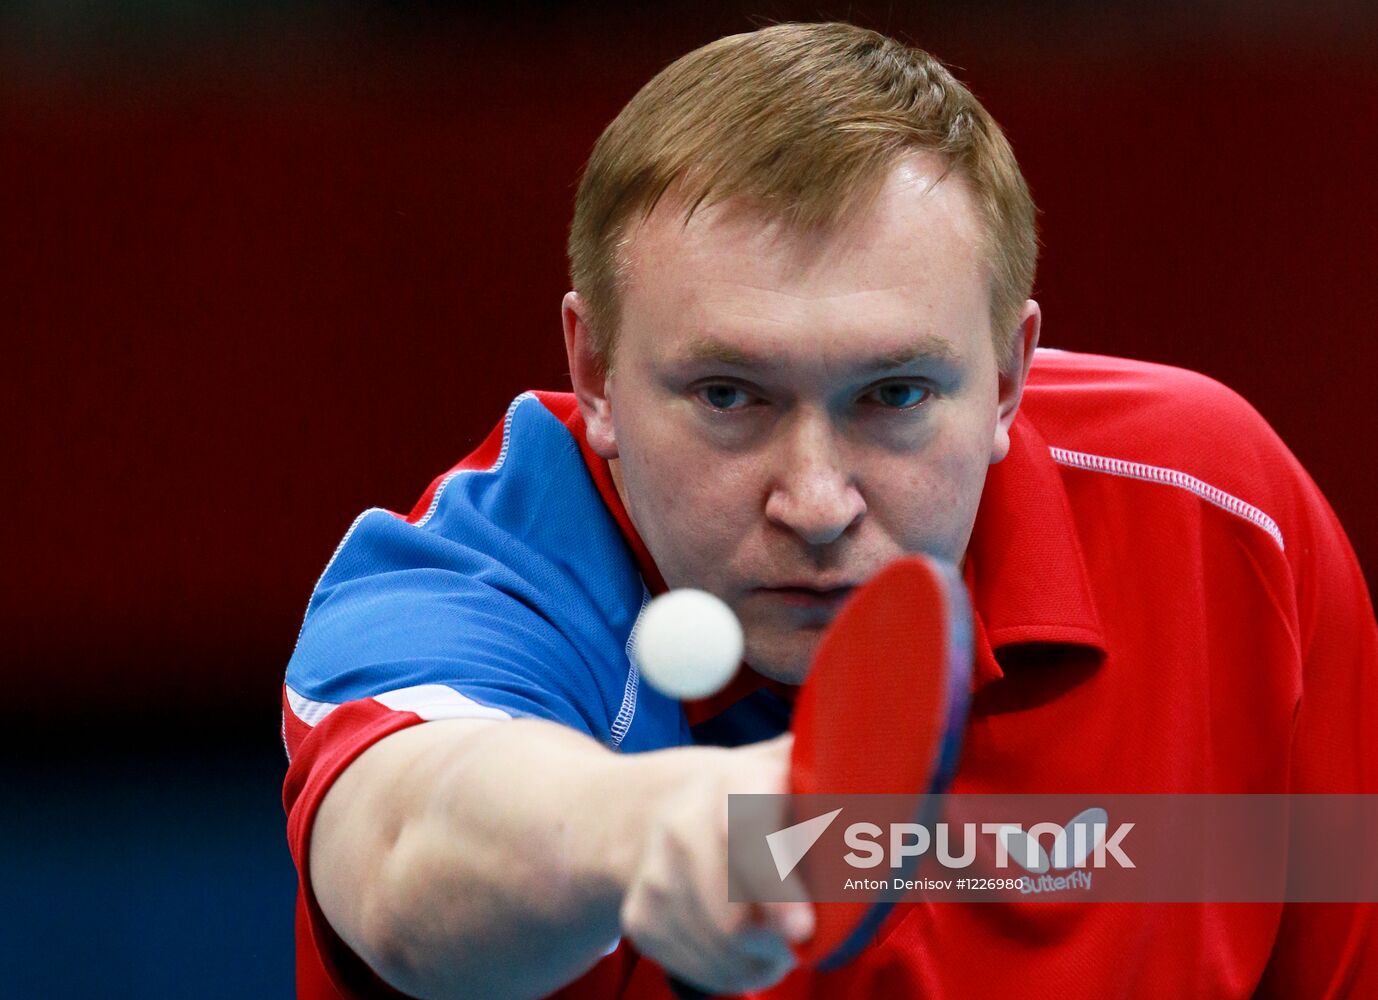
point(590, 377)
point(1014, 373)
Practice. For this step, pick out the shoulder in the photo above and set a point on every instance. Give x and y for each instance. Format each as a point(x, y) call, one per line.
point(1091, 407)
point(509, 582)
point(1093, 399)
point(532, 444)
point(518, 527)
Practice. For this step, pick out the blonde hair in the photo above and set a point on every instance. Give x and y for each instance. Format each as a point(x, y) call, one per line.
point(806, 121)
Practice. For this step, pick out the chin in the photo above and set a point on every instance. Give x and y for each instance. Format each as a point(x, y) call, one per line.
point(783, 658)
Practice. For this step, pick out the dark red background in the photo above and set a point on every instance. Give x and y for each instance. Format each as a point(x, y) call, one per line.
point(267, 263)
point(265, 269)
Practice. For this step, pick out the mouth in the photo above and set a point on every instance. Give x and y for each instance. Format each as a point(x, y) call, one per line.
point(809, 597)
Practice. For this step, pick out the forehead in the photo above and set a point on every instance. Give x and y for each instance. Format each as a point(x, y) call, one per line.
point(912, 259)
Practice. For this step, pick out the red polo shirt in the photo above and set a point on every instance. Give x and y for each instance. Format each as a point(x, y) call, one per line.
point(1164, 603)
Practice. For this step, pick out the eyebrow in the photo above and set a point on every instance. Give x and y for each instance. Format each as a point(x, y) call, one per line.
point(928, 348)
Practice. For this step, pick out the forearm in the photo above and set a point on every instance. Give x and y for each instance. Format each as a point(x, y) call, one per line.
point(470, 858)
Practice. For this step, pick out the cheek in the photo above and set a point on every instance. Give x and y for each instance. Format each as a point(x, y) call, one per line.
point(934, 498)
point(691, 505)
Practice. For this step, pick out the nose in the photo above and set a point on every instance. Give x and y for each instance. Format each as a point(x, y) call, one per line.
point(814, 492)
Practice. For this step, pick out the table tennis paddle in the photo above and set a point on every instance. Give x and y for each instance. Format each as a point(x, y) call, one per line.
point(882, 712)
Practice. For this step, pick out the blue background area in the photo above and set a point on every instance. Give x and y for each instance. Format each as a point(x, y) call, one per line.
point(146, 875)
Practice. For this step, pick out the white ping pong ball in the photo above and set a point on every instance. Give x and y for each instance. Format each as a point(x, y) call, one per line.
point(688, 644)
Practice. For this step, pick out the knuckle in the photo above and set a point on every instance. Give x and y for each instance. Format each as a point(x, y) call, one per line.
point(633, 916)
point(737, 922)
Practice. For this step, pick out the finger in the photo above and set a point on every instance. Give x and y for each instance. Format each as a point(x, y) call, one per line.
point(764, 956)
point(752, 960)
point(792, 921)
point(774, 752)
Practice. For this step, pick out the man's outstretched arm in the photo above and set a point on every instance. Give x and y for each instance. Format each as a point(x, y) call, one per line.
point(473, 857)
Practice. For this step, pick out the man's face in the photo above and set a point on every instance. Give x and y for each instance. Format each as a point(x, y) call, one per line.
point(787, 413)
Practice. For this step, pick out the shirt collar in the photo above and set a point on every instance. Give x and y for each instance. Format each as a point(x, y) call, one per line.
point(1025, 568)
point(601, 473)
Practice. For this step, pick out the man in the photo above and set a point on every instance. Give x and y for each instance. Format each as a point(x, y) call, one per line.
point(802, 344)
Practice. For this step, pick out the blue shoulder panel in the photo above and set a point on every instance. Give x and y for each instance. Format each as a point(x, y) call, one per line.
point(515, 589)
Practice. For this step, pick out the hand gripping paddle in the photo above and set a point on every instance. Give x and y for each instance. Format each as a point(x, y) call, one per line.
point(881, 712)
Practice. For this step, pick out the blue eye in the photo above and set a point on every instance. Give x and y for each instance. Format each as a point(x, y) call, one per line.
point(899, 395)
point(723, 396)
